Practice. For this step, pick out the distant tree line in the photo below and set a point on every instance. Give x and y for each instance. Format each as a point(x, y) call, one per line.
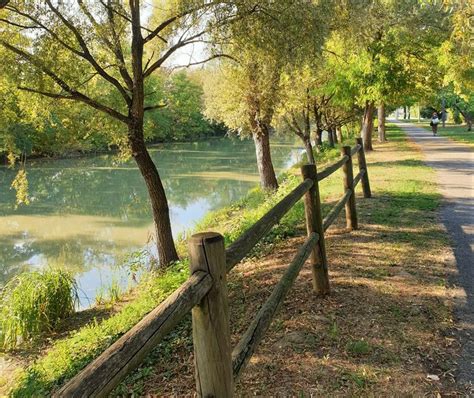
point(34, 126)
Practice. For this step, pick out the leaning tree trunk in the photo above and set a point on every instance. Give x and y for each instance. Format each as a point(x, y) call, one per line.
point(368, 126)
point(381, 122)
point(159, 204)
point(261, 138)
point(309, 150)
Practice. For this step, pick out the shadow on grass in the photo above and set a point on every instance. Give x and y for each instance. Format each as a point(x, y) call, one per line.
point(403, 163)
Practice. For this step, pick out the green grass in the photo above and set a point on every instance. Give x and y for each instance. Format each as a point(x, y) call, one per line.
point(358, 347)
point(455, 133)
point(33, 303)
point(69, 355)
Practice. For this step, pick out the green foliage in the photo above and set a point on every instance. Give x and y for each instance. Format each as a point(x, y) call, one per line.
point(20, 185)
point(388, 48)
point(181, 117)
point(62, 127)
point(245, 92)
point(33, 303)
point(114, 291)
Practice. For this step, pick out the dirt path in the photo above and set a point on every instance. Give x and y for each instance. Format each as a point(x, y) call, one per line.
point(454, 164)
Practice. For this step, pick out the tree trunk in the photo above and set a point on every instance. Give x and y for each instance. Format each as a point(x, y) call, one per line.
point(443, 112)
point(261, 139)
point(159, 204)
point(404, 112)
point(381, 122)
point(467, 117)
point(309, 150)
point(330, 137)
point(319, 137)
point(307, 136)
point(335, 136)
point(368, 125)
point(339, 134)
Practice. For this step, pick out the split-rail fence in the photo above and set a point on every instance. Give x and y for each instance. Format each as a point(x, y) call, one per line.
point(217, 366)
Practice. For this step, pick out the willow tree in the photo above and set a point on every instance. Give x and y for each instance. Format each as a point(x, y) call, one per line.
point(65, 48)
point(244, 90)
point(305, 94)
point(294, 112)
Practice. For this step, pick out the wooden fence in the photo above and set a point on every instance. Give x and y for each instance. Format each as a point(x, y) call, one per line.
point(204, 293)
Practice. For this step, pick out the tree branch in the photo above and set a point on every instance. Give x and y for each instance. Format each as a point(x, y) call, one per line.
point(74, 94)
point(206, 60)
point(87, 54)
point(152, 107)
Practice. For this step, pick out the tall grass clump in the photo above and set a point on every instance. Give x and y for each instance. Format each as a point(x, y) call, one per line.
point(33, 303)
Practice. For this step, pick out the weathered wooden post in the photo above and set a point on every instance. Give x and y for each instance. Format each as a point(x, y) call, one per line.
point(211, 333)
point(363, 166)
point(351, 212)
point(314, 223)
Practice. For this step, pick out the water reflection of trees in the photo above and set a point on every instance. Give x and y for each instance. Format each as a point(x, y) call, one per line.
point(78, 255)
point(215, 171)
point(97, 186)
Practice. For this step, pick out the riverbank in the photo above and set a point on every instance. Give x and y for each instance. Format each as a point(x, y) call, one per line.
point(112, 149)
point(334, 346)
point(98, 214)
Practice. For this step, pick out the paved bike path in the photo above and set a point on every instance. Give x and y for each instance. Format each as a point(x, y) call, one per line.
point(454, 165)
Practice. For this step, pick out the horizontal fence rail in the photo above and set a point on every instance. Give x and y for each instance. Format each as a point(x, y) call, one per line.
point(358, 177)
point(247, 241)
point(332, 215)
point(102, 375)
point(331, 169)
point(355, 149)
point(205, 292)
point(255, 332)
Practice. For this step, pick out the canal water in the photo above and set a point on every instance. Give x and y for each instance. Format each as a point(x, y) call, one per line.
point(88, 214)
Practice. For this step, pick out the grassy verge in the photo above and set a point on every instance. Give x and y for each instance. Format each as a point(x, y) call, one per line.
point(454, 132)
point(65, 357)
point(384, 329)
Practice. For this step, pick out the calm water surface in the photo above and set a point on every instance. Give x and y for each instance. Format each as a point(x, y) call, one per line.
point(89, 214)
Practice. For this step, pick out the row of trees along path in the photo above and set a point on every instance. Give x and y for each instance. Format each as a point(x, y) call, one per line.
point(273, 72)
point(217, 366)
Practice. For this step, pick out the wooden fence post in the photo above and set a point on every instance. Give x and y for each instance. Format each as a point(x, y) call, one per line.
point(314, 223)
point(211, 333)
point(351, 212)
point(363, 166)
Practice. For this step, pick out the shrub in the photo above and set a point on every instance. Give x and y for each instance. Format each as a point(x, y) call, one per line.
point(33, 303)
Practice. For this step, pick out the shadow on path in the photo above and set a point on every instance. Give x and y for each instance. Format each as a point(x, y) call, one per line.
point(454, 165)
